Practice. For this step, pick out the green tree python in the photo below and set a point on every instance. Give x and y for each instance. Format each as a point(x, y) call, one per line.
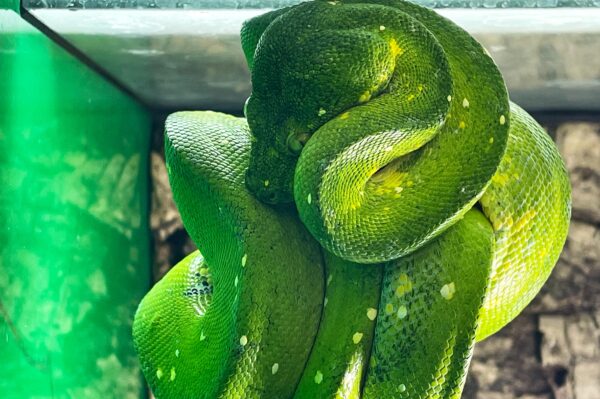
point(381, 208)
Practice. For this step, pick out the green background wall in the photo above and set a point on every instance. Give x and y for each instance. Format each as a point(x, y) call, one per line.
point(74, 242)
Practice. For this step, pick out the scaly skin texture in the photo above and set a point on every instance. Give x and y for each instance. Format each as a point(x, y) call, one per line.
point(346, 331)
point(263, 301)
point(415, 211)
point(428, 314)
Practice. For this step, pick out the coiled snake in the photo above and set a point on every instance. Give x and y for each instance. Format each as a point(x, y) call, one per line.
point(382, 208)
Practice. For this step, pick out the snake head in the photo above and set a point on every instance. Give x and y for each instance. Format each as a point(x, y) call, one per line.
point(310, 65)
point(270, 174)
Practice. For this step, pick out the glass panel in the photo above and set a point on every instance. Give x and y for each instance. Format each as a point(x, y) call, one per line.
point(212, 4)
point(176, 59)
point(187, 53)
point(74, 252)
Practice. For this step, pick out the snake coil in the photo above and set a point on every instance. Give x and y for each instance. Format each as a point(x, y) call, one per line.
point(382, 208)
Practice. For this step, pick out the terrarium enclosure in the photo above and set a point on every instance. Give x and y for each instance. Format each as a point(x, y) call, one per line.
point(88, 217)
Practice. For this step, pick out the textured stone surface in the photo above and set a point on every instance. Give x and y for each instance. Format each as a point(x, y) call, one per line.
point(570, 352)
point(551, 351)
point(507, 365)
point(575, 283)
point(579, 143)
point(165, 217)
point(171, 241)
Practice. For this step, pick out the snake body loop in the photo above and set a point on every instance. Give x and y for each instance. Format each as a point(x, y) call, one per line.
point(415, 211)
point(232, 345)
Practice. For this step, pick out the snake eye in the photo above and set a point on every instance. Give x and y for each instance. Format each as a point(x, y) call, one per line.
point(296, 142)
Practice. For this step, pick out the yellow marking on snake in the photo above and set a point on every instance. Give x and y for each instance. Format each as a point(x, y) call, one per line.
point(395, 48)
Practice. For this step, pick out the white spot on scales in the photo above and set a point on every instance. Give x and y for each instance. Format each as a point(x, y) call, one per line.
point(318, 377)
point(402, 312)
point(371, 313)
point(448, 291)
